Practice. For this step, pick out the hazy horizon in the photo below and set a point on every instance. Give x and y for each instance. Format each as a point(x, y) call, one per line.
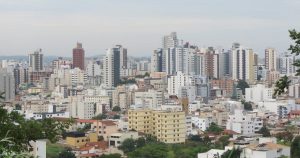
point(139, 25)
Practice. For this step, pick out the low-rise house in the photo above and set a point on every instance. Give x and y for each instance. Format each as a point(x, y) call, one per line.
point(78, 139)
point(104, 128)
point(244, 122)
point(266, 150)
point(116, 139)
point(201, 123)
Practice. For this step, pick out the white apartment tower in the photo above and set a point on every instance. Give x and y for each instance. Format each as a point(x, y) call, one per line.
point(244, 123)
point(242, 67)
point(169, 41)
point(286, 64)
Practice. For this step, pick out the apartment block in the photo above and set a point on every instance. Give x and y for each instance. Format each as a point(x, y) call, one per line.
point(166, 126)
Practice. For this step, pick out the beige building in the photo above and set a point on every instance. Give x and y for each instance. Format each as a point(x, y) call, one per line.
point(36, 106)
point(104, 128)
point(122, 97)
point(167, 126)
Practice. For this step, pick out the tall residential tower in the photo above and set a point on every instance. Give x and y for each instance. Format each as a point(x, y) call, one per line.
point(112, 67)
point(36, 61)
point(78, 57)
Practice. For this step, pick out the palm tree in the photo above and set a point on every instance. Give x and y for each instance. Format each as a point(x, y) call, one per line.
point(281, 86)
point(297, 64)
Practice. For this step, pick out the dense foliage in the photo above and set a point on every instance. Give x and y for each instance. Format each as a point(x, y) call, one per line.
point(20, 131)
point(234, 153)
point(242, 84)
point(282, 84)
point(295, 147)
point(150, 148)
point(116, 109)
point(247, 105)
point(111, 156)
point(67, 153)
point(264, 131)
point(214, 128)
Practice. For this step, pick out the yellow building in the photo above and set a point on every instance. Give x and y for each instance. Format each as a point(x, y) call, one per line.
point(166, 126)
point(77, 139)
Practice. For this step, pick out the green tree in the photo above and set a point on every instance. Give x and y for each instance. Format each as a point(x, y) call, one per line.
point(152, 150)
point(150, 138)
point(100, 117)
point(116, 117)
point(242, 84)
point(116, 108)
point(111, 156)
point(223, 141)
point(234, 153)
point(295, 36)
point(140, 142)
point(128, 145)
point(195, 138)
point(21, 131)
point(214, 128)
point(281, 86)
point(67, 153)
point(18, 107)
point(295, 147)
point(146, 74)
point(285, 137)
point(247, 105)
point(264, 131)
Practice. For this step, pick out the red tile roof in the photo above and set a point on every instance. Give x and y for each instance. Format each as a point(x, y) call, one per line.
point(98, 145)
point(108, 123)
point(295, 112)
point(86, 148)
point(227, 131)
point(85, 121)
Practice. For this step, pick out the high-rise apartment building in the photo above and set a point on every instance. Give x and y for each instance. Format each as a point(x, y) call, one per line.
point(212, 63)
point(78, 57)
point(123, 57)
point(156, 60)
point(224, 64)
point(242, 63)
point(166, 126)
point(270, 59)
point(112, 67)
point(7, 85)
point(286, 64)
point(36, 61)
point(169, 41)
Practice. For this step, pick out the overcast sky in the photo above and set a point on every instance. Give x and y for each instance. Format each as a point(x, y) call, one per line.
point(56, 25)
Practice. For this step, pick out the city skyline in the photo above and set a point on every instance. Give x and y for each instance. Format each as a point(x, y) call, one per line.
point(55, 26)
